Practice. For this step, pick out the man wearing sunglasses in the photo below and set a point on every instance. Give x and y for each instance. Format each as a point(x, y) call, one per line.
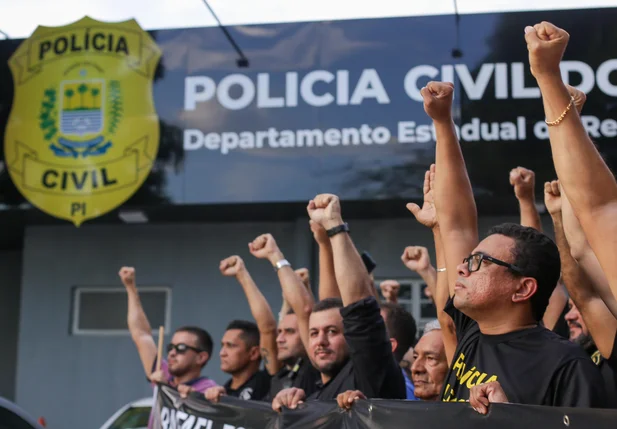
point(187, 354)
point(497, 293)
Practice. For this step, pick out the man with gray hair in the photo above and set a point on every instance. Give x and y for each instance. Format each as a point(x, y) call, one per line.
point(430, 366)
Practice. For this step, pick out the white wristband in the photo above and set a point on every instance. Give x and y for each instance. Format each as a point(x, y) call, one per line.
point(440, 270)
point(280, 264)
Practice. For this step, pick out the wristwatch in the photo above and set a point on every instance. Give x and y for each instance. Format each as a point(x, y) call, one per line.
point(280, 264)
point(337, 229)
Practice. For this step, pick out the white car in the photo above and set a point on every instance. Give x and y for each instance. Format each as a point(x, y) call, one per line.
point(133, 415)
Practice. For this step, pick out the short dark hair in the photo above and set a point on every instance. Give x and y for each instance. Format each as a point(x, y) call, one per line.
point(401, 326)
point(250, 332)
point(204, 340)
point(327, 304)
point(290, 311)
point(537, 256)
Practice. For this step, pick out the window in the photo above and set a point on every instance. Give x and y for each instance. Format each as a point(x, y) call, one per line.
point(411, 297)
point(102, 311)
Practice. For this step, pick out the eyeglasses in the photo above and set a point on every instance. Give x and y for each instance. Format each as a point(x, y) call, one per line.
point(475, 261)
point(182, 348)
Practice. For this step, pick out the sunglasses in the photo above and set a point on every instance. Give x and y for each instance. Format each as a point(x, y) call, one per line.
point(182, 348)
point(475, 261)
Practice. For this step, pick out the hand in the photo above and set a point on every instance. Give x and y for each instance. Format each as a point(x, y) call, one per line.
point(345, 400)
point(184, 390)
point(303, 273)
point(389, 290)
point(265, 247)
point(213, 394)
point(482, 395)
point(158, 377)
point(416, 258)
point(438, 100)
point(288, 398)
point(127, 275)
point(546, 44)
point(427, 215)
point(319, 233)
point(552, 197)
point(325, 210)
point(232, 266)
point(579, 97)
point(524, 182)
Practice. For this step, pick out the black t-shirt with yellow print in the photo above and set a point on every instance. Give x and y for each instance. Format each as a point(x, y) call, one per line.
point(608, 369)
point(534, 366)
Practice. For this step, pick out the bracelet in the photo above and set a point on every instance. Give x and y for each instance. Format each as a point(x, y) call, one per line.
point(280, 264)
point(563, 115)
point(337, 229)
point(440, 270)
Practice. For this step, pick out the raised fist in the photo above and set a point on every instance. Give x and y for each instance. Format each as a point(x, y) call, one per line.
point(325, 210)
point(552, 197)
point(232, 266)
point(438, 100)
point(579, 97)
point(416, 258)
point(389, 290)
point(127, 275)
point(303, 273)
point(263, 246)
point(524, 181)
point(319, 233)
point(546, 44)
point(427, 215)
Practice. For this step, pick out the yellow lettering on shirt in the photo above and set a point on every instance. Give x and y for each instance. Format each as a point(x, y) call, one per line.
point(468, 378)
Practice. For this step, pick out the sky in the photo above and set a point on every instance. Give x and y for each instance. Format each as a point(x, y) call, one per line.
point(19, 18)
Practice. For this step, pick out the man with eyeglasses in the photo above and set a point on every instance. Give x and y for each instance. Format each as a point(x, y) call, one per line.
point(498, 294)
point(187, 354)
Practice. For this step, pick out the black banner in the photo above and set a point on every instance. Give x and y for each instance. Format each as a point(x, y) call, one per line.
point(173, 412)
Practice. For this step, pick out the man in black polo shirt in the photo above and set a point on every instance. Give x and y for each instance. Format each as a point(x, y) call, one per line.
point(347, 339)
point(241, 359)
point(499, 294)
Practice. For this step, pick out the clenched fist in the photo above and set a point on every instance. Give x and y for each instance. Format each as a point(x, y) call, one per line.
point(546, 44)
point(304, 275)
point(232, 266)
point(482, 395)
point(389, 290)
point(127, 275)
point(416, 258)
point(438, 100)
point(265, 247)
point(552, 197)
point(325, 210)
point(523, 181)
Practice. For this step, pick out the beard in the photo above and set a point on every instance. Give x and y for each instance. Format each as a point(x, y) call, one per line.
point(331, 369)
point(585, 341)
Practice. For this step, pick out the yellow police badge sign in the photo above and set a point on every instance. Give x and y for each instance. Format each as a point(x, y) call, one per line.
point(83, 133)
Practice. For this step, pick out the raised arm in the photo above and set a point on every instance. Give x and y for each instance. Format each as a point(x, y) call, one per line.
point(352, 277)
point(524, 181)
point(427, 216)
point(138, 324)
point(454, 202)
point(294, 292)
point(586, 258)
point(260, 309)
point(304, 275)
point(328, 288)
point(583, 174)
point(599, 320)
point(417, 259)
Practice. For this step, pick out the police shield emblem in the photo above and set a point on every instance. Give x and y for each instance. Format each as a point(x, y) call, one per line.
point(83, 132)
